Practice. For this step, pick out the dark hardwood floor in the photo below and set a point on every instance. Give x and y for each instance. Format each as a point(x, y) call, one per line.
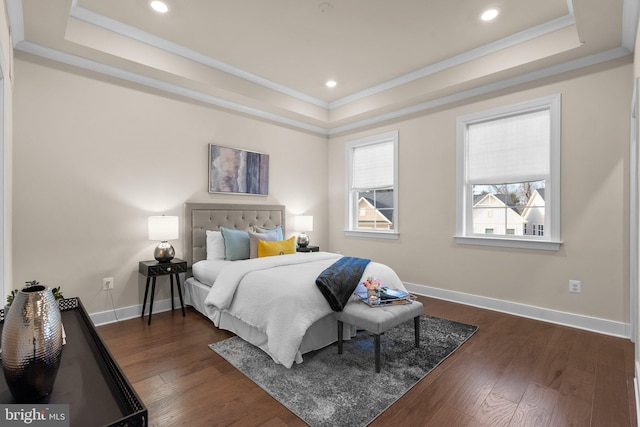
point(512, 372)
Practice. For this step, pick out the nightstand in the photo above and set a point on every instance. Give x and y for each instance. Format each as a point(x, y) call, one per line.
point(153, 269)
point(308, 249)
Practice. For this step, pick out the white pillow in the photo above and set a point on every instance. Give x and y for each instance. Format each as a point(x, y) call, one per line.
point(215, 245)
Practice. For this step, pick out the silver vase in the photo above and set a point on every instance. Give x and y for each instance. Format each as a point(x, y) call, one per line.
point(32, 344)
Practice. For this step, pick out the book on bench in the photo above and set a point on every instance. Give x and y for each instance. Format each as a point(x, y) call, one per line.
point(389, 293)
point(387, 296)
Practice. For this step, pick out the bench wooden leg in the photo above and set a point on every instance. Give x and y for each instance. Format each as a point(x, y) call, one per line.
point(376, 345)
point(416, 328)
point(340, 328)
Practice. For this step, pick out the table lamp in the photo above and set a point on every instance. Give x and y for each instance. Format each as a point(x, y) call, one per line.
point(304, 224)
point(163, 228)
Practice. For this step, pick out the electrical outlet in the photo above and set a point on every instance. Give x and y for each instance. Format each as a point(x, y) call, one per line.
point(575, 286)
point(107, 283)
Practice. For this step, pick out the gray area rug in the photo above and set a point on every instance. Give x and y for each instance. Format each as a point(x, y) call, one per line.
point(329, 389)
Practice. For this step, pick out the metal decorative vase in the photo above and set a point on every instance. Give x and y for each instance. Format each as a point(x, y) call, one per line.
point(32, 344)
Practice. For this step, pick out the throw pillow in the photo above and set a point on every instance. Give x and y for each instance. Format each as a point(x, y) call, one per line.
point(215, 245)
point(279, 247)
point(277, 229)
point(236, 244)
point(253, 241)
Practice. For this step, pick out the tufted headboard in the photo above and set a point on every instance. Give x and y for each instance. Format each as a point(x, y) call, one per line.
point(200, 217)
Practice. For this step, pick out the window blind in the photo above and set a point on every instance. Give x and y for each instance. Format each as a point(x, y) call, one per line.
point(373, 166)
point(509, 150)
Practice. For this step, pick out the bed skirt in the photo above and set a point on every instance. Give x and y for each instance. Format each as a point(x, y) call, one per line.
point(319, 335)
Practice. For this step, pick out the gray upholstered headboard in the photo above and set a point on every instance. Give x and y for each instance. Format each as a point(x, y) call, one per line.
point(200, 217)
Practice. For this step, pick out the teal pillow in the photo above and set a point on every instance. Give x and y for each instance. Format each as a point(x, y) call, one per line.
point(236, 244)
point(276, 229)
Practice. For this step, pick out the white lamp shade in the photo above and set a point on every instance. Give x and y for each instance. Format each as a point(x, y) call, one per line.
point(163, 228)
point(303, 223)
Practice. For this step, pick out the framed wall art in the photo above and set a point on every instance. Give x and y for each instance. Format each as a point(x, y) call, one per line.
point(232, 170)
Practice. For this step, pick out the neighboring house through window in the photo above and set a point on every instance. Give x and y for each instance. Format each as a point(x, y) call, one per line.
point(496, 212)
point(372, 193)
point(533, 213)
point(508, 176)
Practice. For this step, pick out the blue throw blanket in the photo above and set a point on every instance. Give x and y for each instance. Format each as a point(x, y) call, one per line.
point(338, 282)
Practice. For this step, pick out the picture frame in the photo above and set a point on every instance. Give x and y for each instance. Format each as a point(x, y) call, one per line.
point(238, 171)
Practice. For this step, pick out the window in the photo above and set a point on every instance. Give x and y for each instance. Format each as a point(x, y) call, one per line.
point(372, 192)
point(508, 176)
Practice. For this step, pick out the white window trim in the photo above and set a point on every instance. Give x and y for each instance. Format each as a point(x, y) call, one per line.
point(351, 205)
point(551, 241)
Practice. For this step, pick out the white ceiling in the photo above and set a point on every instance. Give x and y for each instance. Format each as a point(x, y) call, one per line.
point(271, 58)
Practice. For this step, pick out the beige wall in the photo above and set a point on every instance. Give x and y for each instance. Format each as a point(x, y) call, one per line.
point(595, 189)
point(94, 157)
point(6, 144)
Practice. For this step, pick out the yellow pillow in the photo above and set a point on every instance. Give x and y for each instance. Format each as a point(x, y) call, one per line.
point(279, 247)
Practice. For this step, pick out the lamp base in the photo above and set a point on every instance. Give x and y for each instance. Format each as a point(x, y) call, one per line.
point(303, 240)
point(164, 252)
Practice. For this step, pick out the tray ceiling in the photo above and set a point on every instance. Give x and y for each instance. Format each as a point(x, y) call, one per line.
point(271, 58)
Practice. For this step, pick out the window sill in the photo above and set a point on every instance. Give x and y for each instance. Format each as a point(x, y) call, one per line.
point(373, 234)
point(544, 245)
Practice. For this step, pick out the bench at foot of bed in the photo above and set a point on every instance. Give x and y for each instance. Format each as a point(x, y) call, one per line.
point(378, 320)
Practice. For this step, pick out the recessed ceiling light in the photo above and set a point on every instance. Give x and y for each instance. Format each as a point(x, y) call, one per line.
point(331, 83)
point(490, 14)
point(159, 6)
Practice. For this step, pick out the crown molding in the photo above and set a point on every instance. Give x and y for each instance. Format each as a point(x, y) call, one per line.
point(514, 39)
point(16, 26)
point(630, 12)
point(128, 31)
point(87, 64)
point(14, 10)
point(134, 33)
point(482, 90)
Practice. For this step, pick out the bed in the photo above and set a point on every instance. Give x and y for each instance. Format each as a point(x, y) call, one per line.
point(271, 302)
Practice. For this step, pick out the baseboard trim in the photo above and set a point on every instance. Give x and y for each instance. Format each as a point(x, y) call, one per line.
point(124, 313)
point(593, 324)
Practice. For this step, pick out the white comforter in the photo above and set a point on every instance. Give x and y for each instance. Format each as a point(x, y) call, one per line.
point(278, 296)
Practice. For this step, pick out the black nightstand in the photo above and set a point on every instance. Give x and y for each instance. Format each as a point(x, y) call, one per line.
point(153, 269)
point(308, 249)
